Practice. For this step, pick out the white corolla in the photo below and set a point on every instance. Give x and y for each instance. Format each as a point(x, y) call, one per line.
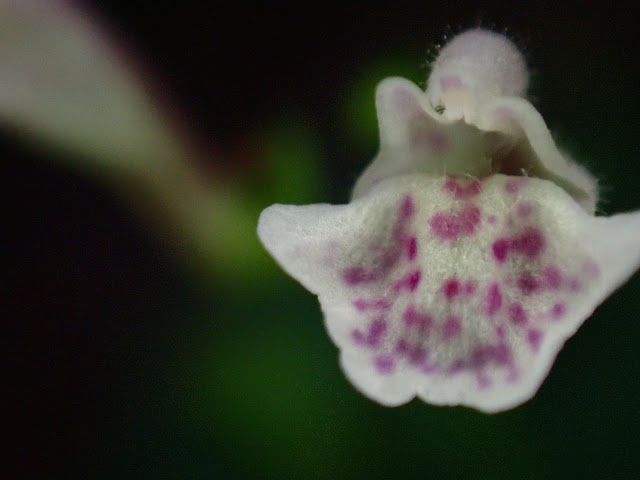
point(469, 252)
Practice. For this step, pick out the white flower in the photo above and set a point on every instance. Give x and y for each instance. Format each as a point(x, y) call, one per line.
point(469, 252)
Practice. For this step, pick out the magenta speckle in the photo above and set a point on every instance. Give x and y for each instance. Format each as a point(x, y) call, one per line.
point(492, 219)
point(513, 185)
point(413, 280)
point(407, 208)
point(574, 285)
point(451, 226)
point(358, 337)
point(380, 304)
point(410, 282)
point(356, 275)
point(450, 288)
point(458, 191)
point(527, 283)
point(412, 248)
point(498, 354)
point(552, 277)
point(501, 354)
point(558, 310)
point(524, 209)
point(452, 327)
point(534, 337)
point(469, 287)
point(361, 304)
point(413, 318)
point(374, 335)
point(530, 243)
point(517, 314)
point(384, 364)
point(376, 330)
point(494, 299)
point(500, 249)
point(417, 356)
point(402, 346)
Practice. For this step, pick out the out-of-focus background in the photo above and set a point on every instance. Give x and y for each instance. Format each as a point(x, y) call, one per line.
point(147, 333)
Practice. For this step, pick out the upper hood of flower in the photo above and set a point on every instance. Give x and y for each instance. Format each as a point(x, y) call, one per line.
point(471, 121)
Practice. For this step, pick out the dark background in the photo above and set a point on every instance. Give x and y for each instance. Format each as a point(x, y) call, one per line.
point(123, 363)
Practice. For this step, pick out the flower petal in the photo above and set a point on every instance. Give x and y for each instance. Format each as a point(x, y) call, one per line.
point(414, 138)
point(533, 150)
point(485, 126)
point(457, 291)
point(614, 243)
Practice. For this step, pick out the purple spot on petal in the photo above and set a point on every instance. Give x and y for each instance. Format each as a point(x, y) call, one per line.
point(517, 314)
point(407, 208)
point(413, 318)
point(534, 337)
point(500, 249)
point(358, 337)
point(470, 219)
point(417, 356)
point(410, 282)
point(384, 364)
point(513, 185)
point(412, 248)
point(451, 226)
point(460, 192)
point(524, 209)
point(527, 283)
point(530, 243)
point(574, 285)
point(361, 304)
point(402, 346)
point(494, 299)
point(558, 310)
point(376, 330)
point(469, 287)
point(450, 288)
point(452, 327)
point(481, 356)
point(357, 275)
point(381, 304)
point(492, 219)
point(552, 277)
point(413, 280)
point(501, 354)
